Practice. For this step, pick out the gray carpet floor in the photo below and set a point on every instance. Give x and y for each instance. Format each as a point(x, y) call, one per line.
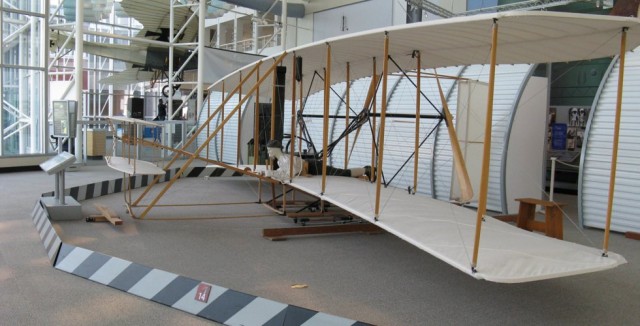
point(378, 279)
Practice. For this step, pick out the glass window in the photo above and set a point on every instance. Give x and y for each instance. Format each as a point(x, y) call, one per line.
point(22, 78)
point(21, 111)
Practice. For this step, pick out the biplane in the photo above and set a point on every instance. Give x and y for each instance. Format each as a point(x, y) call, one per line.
point(147, 53)
point(470, 240)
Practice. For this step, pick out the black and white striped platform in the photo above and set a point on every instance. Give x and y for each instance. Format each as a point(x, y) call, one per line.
point(224, 305)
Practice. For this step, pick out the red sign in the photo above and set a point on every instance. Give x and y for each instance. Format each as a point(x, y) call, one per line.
point(202, 294)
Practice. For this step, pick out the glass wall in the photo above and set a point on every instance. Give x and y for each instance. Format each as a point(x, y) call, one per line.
point(22, 76)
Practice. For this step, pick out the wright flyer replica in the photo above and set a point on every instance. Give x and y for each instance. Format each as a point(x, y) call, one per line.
point(467, 239)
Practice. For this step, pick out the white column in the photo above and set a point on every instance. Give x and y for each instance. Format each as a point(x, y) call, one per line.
point(255, 36)
point(1, 85)
point(34, 86)
point(79, 49)
point(201, 40)
point(283, 19)
point(44, 61)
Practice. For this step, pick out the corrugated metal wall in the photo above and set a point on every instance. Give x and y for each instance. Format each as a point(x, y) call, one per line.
point(596, 165)
point(230, 138)
point(435, 159)
point(509, 82)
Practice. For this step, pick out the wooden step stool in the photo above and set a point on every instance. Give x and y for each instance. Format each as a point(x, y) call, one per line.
point(526, 218)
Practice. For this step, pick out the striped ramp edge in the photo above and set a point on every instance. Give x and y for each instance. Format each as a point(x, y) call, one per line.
point(224, 306)
point(108, 187)
point(48, 234)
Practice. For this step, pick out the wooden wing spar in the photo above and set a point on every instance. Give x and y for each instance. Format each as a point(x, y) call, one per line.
point(451, 233)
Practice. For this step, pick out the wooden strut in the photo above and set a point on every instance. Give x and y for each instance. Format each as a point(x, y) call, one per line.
point(301, 106)
point(256, 124)
point(176, 150)
point(208, 115)
point(616, 136)
point(367, 105)
point(373, 91)
point(383, 113)
point(210, 137)
point(416, 144)
point(346, 119)
point(239, 130)
point(274, 94)
point(325, 120)
point(222, 118)
point(484, 180)
point(292, 142)
point(259, 176)
point(194, 136)
point(210, 161)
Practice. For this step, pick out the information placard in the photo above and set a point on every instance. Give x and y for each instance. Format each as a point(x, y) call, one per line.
point(60, 119)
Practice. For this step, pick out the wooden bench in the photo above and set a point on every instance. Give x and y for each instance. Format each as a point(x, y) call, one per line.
point(526, 218)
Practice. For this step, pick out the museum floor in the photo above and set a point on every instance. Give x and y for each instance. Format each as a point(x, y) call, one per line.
point(377, 279)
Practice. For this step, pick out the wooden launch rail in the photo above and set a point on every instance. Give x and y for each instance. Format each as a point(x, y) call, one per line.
point(281, 233)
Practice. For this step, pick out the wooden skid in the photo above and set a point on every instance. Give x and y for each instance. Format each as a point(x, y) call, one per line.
point(632, 235)
point(108, 215)
point(281, 233)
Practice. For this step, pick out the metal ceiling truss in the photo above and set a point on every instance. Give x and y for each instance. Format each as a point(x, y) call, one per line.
point(199, 11)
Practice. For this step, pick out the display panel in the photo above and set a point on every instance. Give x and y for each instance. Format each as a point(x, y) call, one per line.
point(60, 119)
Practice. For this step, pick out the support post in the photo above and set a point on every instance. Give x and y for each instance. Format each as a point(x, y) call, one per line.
point(325, 120)
point(256, 124)
point(292, 142)
point(239, 132)
point(383, 113)
point(484, 180)
point(616, 136)
point(79, 81)
point(374, 83)
point(346, 117)
point(552, 181)
point(202, 36)
point(222, 118)
point(301, 105)
point(416, 144)
point(274, 94)
point(208, 114)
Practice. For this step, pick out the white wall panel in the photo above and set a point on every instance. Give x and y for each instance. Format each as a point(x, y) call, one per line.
point(508, 84)
point(596, 166)
point(230, 130)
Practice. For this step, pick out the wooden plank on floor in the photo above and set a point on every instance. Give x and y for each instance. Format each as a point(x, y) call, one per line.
point(281, 233)
point(632, 235)
point(108, 214)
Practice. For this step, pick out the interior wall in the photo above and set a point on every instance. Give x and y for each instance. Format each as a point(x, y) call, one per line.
point(470, 124)
point(352, 18)
point(525, 153)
